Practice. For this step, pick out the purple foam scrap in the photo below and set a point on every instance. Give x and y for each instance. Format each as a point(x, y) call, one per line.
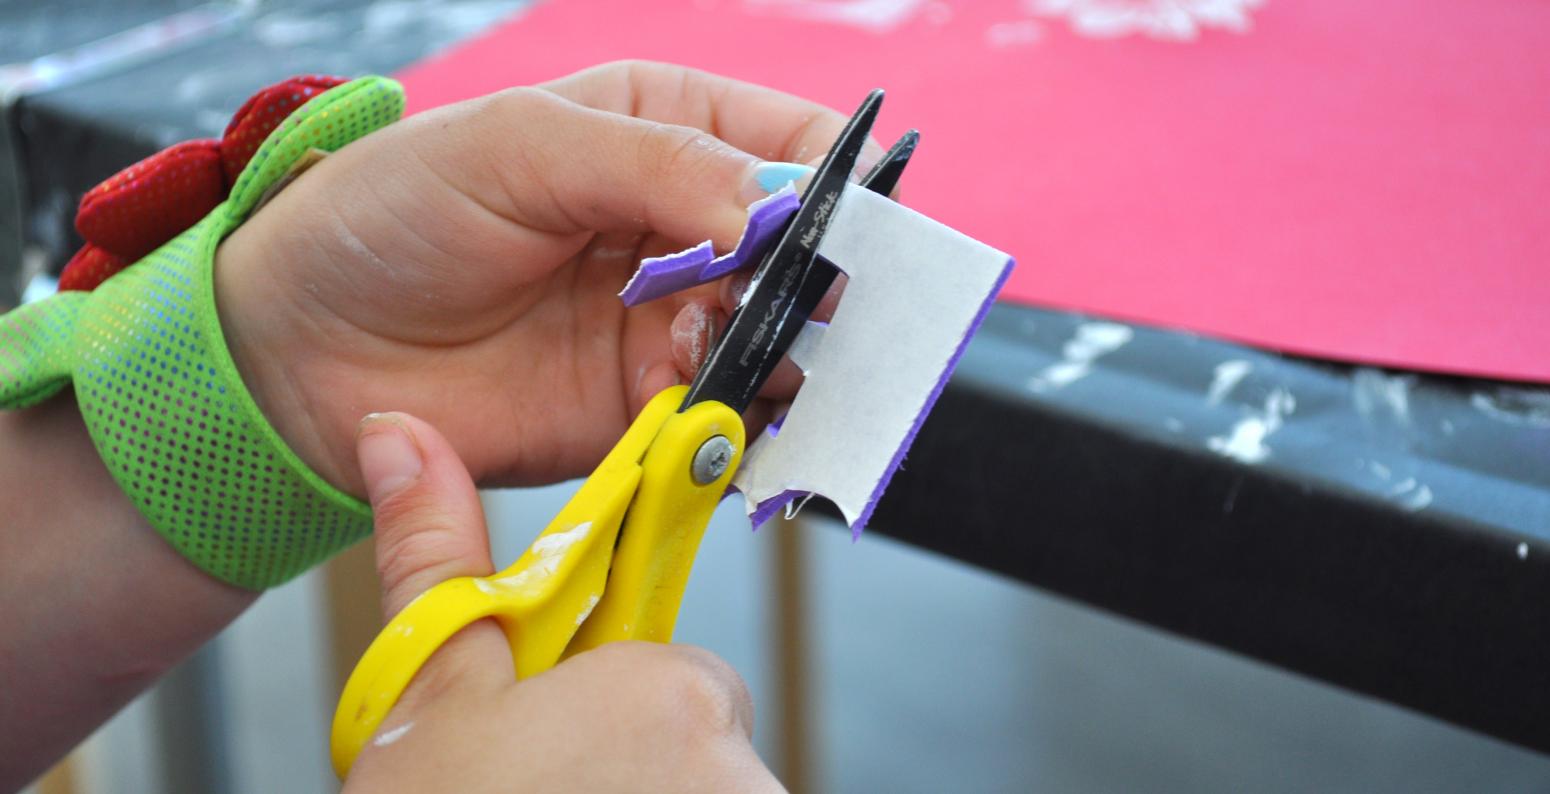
point(665, 275)
point(767, 509)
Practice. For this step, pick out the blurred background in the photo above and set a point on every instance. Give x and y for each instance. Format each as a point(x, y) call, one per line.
point(878, 665)
point(917, 674)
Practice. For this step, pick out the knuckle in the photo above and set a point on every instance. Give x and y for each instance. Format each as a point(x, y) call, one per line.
point(514, 103)
point(494, 120)
point(705, 695)
point(686, 693)
point(506, 117)
point(638, 72)
point(674, 151)
point(631, 67)
point(396, 511)
point(424, 544)
point(648, 80)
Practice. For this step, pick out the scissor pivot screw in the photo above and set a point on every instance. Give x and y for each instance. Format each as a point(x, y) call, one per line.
point(712, 460)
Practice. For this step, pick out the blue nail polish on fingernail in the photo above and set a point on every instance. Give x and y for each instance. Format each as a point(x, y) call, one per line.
point(774, 176)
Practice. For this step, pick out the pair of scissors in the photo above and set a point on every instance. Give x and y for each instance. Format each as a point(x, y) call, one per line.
point(613, 563)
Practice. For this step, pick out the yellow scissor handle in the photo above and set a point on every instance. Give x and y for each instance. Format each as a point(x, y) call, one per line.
point(663, 528)
point(647, 483)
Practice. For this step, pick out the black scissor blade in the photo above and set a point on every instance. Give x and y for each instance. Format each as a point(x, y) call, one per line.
point(884, 176)
point(763, 327)
point(882, 179)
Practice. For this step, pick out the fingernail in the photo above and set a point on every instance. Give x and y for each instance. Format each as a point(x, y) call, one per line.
point(390, 460)
point(770, 177)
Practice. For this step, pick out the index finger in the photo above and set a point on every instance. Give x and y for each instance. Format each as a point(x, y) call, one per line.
point(761, 121)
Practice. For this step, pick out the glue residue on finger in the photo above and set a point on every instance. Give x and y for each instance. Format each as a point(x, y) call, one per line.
point(691, 331)
point(736, 287)
point(389, 736)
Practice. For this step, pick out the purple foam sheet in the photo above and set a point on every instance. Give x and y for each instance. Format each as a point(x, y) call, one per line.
point(664, 275)
point(767, 509)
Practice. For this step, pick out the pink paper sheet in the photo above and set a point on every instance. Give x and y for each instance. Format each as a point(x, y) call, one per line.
point(1364, 181)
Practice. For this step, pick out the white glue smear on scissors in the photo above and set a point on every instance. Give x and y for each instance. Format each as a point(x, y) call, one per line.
point(586, 611)
point(548, 550)
point(552, 546)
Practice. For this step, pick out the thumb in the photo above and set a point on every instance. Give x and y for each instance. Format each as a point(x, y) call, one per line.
point(429, 523)
point(429, 528)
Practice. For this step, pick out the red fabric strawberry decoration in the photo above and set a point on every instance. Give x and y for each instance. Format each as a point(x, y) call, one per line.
point(135, 211)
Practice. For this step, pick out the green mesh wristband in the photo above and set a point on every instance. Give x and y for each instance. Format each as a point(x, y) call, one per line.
point(162, 398)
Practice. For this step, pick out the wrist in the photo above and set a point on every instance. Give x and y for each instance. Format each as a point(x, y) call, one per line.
point(274, 356)
point(162, 397)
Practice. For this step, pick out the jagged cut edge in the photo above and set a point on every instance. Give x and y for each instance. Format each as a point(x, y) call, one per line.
point(664, 275)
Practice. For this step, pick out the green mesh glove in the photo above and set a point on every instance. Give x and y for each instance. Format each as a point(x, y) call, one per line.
point(159, 392)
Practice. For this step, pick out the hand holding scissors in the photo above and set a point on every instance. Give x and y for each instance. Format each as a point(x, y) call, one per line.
point(613, 563)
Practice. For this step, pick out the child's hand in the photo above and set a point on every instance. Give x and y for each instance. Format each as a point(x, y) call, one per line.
point(463, 265)
point(624, 717)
